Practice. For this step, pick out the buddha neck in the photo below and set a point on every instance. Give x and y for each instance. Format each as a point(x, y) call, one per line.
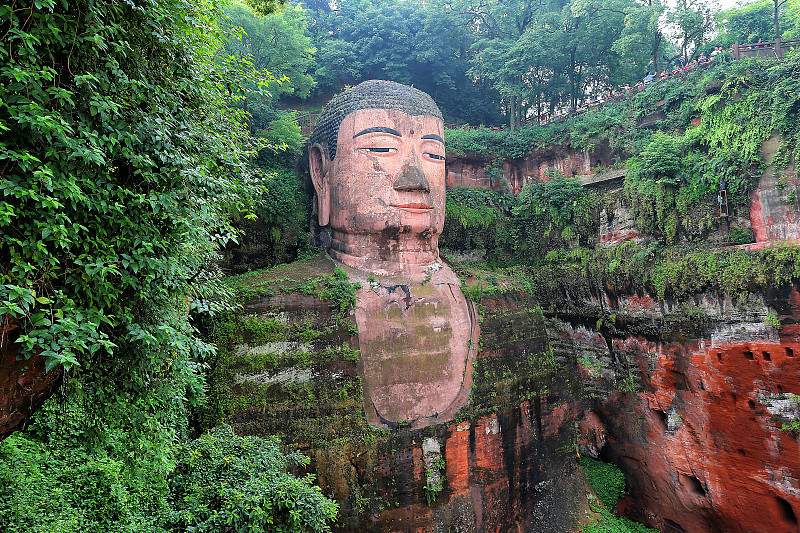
point(402, 255)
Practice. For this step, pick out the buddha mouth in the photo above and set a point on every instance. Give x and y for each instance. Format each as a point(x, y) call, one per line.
point(413, 208)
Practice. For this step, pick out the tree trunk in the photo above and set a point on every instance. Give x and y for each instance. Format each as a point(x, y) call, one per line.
point(573, 97)
point(778, 50)
point(511, 106)
point(656, 46)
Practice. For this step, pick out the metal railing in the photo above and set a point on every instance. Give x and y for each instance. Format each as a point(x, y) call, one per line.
point(777, 48)
point(307, 123)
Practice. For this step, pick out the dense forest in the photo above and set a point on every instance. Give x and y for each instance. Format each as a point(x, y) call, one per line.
point(140, 138)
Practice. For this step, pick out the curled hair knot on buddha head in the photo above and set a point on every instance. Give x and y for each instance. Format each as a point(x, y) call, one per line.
point(372, 94)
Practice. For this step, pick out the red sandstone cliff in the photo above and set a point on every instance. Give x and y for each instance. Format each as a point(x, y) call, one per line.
point(24, 384)
point(697, 430)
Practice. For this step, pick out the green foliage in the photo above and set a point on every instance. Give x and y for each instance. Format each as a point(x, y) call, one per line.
point(122, 161)
point(748, 23)
point(476, 219)
point(791, 427)
point(559, 197)
point(675, 273)
point(283, 208)
point(278, 43)
point(742, 236)
point(340, 292)
point(606, 480)
point(475, 208)
point(416, 43)
point(125, 152)
point(660, 160)
point(612, 524)
point(551, 214)
point(487, 142)
point(434, 477)
point(225, 481)
point(773, 321)
point(72, 471)
point(283, 133)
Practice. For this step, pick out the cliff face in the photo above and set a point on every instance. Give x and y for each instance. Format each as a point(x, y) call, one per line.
point(470, 170)
point(697, 400)
point(697, 404)
point(24, 385)
point(506, 463)
point(774, 212)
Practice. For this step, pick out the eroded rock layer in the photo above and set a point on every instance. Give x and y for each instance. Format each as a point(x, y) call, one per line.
point(288, 366)
point(700, 411)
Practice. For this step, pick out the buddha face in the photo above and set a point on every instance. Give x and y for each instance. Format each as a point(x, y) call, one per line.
point(383, 195)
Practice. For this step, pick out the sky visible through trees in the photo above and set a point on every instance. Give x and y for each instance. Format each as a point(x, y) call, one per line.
point(488, 61)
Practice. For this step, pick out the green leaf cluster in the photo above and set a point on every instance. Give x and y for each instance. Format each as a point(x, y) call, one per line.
point(609, 523)
point(606, 480)
point(608, 484)
point(224, 481)
point(121, 161)
point(62, 475)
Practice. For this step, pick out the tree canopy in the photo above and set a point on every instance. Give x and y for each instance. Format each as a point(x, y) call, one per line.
point(125, 153)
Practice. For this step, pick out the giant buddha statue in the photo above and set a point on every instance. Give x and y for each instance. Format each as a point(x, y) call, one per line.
point(377, 161)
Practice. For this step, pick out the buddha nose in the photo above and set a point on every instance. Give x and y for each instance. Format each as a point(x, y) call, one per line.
point(411, 178)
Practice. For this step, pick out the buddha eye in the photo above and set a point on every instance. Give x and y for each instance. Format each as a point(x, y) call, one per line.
point(380, 150)
point(437, 157)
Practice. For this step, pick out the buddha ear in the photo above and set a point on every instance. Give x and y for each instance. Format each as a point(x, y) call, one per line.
point(320, 165)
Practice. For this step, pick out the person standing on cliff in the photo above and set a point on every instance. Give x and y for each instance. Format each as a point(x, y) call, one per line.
point(376, 160)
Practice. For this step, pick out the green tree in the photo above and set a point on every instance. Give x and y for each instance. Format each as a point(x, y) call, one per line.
point(278, 43)
point(124, 153)
point(642, 41)
point(692, 22)
point(422, 44)
point(225, 481)
point(122, 159)
point(746, 24)
point(547, 55)
point(792, 23)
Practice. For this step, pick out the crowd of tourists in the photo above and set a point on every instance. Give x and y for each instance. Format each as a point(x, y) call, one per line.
point(624, 90)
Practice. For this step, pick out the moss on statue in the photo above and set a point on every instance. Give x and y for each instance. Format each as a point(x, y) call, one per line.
point(286, 360)
point(288, 365)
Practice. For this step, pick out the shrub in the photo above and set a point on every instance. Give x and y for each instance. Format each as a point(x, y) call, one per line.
point(226, 481)
point(606, 479)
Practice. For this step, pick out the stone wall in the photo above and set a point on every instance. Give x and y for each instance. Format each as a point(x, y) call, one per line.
point(506, 463)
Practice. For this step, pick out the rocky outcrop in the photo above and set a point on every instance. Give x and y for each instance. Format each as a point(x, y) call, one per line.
point(470, 170)
point(24, 384)
point(289, 366)
point(774, 206)
point(698, 404)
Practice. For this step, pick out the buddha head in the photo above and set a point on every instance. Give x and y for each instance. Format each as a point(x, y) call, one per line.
point(377, 165)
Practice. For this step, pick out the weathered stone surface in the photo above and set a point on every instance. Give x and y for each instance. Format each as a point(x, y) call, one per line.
point(774, 212)
point(417, 344)
point(693, 413)
point(378, 168)
point(24, 384)
point(377, 163)
point(470, 170)
point(506, 463)
point(617, 225)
